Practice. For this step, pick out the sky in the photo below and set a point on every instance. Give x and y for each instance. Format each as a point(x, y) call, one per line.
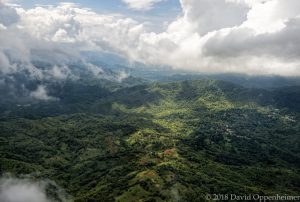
point(215, 36)
point(155, 11)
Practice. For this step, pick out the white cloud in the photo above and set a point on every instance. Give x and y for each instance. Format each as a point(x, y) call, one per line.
point(257, 37)
point(210, 15)
point(141, 4)
point(26, 190)
point(245, 36)
point(271, 15)
point(230, 39)
point(121, 76)
point(95, 70)
point(41, 94)
point(8, 15)
point(59, 72)
point(4, 63)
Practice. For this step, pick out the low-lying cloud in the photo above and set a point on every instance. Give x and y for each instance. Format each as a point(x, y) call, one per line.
point(41, 94)
point(27, 190)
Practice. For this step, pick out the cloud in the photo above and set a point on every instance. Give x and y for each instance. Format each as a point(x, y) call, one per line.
point(41, 94)
point(265, 43)
point(122, 75)
point(271, 16)
point(256, 37)
point(58, 35)
point(141, 4)
point(59, 72)
point(4, 63)
point(8, 15)
point(95, 70)
point(244, 36)
point(209, 15)
point(26, 190)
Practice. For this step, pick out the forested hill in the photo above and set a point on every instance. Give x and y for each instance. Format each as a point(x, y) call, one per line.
point(157, 142)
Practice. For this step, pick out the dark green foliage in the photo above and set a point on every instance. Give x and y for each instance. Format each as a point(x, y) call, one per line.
point(159, 142)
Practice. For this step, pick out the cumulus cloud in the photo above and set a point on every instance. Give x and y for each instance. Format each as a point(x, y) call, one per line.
point(257, 37)
point(245, 36)
point(8, 15)
point(209, 15)
point(26, 190)
point(41, 94)
point(121, 76)
point(58, 35)
point(141, 4)
point(59, 72)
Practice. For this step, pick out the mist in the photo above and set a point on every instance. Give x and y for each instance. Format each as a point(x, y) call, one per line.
point(24, 189)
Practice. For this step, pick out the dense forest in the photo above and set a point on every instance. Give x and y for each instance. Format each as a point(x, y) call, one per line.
point(155, 141)
point(149, 100)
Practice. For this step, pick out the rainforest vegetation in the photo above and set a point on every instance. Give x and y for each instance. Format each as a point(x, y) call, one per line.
point(158, 141)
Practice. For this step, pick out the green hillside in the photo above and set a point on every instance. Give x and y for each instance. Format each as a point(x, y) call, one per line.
point(158, 142)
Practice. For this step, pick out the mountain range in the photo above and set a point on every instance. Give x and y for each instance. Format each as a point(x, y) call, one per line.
point(175, 139)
